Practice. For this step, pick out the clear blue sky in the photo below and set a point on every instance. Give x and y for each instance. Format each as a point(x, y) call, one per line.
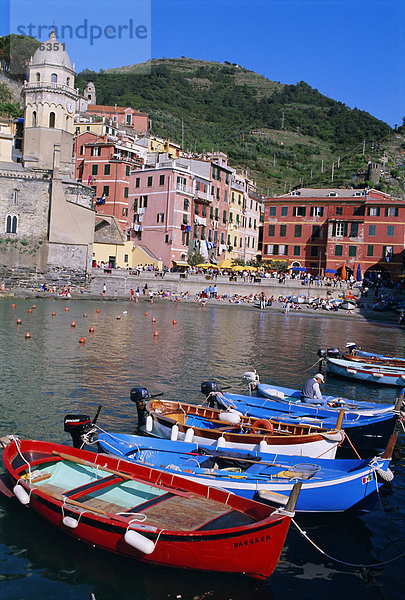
point(350, 50)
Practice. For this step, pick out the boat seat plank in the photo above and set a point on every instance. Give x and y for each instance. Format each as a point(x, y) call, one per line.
point(88, 502)
point(184, 513)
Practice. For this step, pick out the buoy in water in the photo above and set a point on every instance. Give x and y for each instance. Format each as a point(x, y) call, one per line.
point(155, 333)
point(73, 324)
point(174, 322)
point(27, 335)
point(29, 311)
point(82, 340)
point(91, 329)
point(84, 314)
point(118, 317)
point(97, 310)
point(54, 314)
point(146, 314)
point(19, 321)
point(66, 309)
point(13, 306)
point(153, 320)
point(34, 306)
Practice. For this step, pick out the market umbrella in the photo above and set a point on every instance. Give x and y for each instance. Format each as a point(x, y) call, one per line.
point(247, 268)
point(358, 274)
point(298, 268)
point(225, 264)
point(343, 274)
point(330, 271)
point(206, 266)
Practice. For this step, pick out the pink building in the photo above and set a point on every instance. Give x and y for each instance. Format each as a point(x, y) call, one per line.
point(179, 207)
point(122, 116)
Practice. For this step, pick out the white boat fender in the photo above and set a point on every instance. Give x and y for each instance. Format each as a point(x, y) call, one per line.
point(174, 434)
point(336, 436)
point(70, 522)
point(21, 494)
point(402, 376)
point(352, 371)
point(149, 423)
point(229, 417)
point(138, 541)
point(189, 435)
point(233, 410)
point(221, 443)
point(263, 446)
point(378, 374)
point(386, 475)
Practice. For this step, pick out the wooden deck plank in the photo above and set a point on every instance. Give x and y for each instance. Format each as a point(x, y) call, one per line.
point(184, 513)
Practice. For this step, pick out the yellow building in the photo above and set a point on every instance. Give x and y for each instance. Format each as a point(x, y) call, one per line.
point(10, 139)
point(157, 144)
point(233, 237)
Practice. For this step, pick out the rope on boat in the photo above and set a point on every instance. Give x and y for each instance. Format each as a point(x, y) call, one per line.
point(354, 449)
point(343, 562)
point(315, 363)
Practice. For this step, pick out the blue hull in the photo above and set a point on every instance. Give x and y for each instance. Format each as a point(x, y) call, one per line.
point(366, 372)
point(368, 434)
point(327, 485)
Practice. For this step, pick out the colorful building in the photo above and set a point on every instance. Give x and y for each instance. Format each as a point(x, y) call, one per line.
point(105, 164)
point(122, 116)
point(322, 230)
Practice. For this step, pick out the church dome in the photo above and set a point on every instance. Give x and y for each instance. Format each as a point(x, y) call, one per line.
point(52, 54)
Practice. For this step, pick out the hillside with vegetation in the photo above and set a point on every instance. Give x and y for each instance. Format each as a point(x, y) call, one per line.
point(284, 135)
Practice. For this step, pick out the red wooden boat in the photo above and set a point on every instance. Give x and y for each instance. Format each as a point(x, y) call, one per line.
point(143, 513)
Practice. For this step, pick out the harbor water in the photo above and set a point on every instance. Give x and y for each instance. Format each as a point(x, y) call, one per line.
point(51, 374)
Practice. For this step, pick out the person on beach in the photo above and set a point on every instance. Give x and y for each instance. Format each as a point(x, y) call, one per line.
point(137, 294)
point(104, 289)
point(263, 300)
point(311, 392)
point(131, 295)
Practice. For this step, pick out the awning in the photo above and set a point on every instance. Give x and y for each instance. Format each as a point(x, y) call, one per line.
point(181, 263)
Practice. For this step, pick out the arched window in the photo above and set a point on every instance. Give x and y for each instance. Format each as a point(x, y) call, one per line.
point(38, 77)
point(52, 120)
point(54, 78)
point(11, 224)
point(68, 81)
point(34, 118)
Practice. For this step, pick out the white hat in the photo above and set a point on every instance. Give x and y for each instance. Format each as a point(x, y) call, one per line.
point(319, 376)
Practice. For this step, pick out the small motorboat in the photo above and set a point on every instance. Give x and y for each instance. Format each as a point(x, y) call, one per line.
point(364, 434)
point(327, 485)
point(230, 429)
point(143, 513)
point(358, 355)
point(367, 371)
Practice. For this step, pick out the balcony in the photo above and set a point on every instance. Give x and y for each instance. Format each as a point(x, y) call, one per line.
point(203, 197)
point(47, 85)
point(184, 189)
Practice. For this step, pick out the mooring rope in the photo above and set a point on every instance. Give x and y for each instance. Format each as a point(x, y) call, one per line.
point(343, 562)
point(315, 363)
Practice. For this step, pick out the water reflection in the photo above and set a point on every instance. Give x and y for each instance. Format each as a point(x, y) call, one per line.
point(51, 374)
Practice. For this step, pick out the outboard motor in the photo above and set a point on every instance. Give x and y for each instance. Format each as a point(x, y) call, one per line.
point(333, 353)
point(351, 346)
point(78, 426)
point(208, 388)
point(140, 396)
point(321, 353)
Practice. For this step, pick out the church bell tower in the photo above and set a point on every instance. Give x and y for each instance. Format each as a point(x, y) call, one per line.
point(50, 105)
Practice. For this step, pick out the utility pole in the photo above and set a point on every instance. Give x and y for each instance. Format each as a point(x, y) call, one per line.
point(274, 160)
point(333, 169)
point(364, 147)
point(372, 151)
point(338, 162)
point(282, 121)
point(322, 166)
point(182, 135)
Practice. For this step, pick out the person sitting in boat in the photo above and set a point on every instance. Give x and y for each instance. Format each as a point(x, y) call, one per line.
point(311, 392)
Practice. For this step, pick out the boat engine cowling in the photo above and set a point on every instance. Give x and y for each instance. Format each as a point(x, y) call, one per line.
point(209, 389)
point(140, 396)
point(333, 353)
point(78, 426)
point(321, 353)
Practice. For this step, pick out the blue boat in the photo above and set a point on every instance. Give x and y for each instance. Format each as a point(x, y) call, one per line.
point(364, 433)
point(376, 373)
point(327, 485)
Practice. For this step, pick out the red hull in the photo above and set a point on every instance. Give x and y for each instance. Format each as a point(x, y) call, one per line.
point(253, 549)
